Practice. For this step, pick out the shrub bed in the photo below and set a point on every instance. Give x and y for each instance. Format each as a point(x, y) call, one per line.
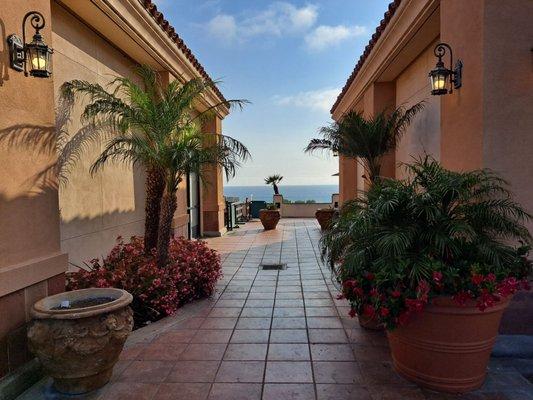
point(191, 273)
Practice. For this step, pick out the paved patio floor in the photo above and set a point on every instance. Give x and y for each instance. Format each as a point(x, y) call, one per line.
point(270, 335)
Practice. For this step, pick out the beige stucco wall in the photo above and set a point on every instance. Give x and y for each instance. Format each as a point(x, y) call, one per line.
point(508, 105)
point(423, 135)
point(94, 209)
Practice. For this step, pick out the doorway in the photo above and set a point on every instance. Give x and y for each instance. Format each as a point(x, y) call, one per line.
point(193, 205)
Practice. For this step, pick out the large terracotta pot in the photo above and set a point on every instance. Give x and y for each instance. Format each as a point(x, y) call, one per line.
point(324, 217)
point(448, 346)
point(78, 347)
point(269, 218)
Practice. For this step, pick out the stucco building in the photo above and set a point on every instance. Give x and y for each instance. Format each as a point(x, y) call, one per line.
point(483, 124)
point(43, 225)
point(486, 123)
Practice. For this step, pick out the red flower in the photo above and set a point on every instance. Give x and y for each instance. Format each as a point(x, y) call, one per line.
point(369, 310)
point(437, 277)
point(352, 312)
point(340, 296)
point(396, 293)
point(415, 305)
point(384, 311)
point(370, 276)
point(490, 277)
point(477, 279)
point(359, 292)
point(374, 292)
point(461, 298)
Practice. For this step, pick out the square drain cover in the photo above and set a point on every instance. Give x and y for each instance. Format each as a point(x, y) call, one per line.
point(272, 267)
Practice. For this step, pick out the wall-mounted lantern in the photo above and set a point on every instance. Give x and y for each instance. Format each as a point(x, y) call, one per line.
point(441, 77)
point(34, 58)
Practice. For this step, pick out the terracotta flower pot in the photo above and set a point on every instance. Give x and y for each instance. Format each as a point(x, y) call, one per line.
point(448, 346)
point(78, 347)
point(269, 218)
point(324, 217)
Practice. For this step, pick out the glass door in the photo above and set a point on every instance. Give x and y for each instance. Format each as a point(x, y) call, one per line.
point(193, 200)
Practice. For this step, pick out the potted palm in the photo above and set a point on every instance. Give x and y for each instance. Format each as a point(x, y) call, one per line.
point(269, 217)
point(434, 258)
point(274, 180)
point(366, 140)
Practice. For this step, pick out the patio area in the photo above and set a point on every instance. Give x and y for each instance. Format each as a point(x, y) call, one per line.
point(270, 335)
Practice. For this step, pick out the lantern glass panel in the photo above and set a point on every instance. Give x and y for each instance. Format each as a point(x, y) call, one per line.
point(38, 57)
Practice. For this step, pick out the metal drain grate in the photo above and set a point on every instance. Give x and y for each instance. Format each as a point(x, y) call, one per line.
point(272, 267)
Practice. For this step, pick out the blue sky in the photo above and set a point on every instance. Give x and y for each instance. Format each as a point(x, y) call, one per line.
point(290, 59)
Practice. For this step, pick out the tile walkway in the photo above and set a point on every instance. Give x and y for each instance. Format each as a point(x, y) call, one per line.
point(270, 335)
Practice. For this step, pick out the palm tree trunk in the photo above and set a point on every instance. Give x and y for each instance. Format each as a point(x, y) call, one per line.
point(155, 186)
point(276, 190)
point(168, 208)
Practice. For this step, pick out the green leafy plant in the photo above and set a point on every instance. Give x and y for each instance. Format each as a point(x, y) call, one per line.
point(271, 207)
point(155, 125)
point(365, 139)
point(274, 180)
point(438, 233)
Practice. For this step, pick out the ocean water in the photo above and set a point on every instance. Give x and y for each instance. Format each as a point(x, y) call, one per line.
point(318, 193)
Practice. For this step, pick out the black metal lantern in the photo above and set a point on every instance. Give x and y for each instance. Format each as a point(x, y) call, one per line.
point(442, 78)
point(34, 58)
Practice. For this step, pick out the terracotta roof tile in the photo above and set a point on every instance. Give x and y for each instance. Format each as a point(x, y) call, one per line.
point(375, 37)
point(171, 32)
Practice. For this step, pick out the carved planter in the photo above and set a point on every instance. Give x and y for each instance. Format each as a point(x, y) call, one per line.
point(447, 347)
point(324, 217)
point(269, 219)
point(78, 347)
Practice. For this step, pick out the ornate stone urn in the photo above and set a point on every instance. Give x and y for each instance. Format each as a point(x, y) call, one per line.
point(79, 335)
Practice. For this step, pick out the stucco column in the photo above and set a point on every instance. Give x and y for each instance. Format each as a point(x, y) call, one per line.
point(31, 263)
point(381, 96)
point(348, 170)
point(213, 190)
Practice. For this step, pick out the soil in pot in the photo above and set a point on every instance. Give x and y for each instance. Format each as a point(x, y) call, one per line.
point(95, 301)
point(447, 348)
point(78, 345)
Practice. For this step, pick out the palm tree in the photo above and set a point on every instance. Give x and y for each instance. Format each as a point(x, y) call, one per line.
point(174, 144)
point(274, 180)
point(367, 139)
point(142, 113)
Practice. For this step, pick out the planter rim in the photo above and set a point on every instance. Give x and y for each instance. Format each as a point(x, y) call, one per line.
point(42, 309)
point(267, 210)
point(445, 304)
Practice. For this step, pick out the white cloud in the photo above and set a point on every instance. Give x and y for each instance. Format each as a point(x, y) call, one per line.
point(316, 100)
point(325, 36)
point(223, 27)
point(277, 19)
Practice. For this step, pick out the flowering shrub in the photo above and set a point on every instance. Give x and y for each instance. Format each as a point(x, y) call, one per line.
point(439, 233)
point(192, 273)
